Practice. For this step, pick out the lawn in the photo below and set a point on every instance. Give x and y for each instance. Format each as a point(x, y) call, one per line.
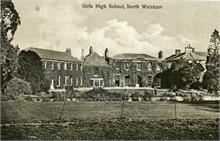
point(30, 111)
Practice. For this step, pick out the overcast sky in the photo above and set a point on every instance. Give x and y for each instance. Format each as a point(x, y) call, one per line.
point(60, 24)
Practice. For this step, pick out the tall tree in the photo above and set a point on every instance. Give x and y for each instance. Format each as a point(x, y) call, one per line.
point(31, 70)
point(211, 77)
point(8, 56)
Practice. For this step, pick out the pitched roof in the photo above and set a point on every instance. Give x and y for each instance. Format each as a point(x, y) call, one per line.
point(95, 60)
point(188, 56)
point(134, 56)
point(52, 55)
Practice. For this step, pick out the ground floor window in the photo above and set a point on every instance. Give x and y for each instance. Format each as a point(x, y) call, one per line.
point(96, 82)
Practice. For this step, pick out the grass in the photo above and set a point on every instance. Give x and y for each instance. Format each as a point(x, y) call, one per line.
point(169, 129)
point(13, 111)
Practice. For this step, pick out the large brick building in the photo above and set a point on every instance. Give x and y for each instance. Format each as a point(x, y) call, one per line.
point(93, 70)
point(134, 70)
point(61, 68)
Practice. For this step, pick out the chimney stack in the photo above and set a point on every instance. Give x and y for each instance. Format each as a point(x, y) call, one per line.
point(106, 55)
point(160, 54)
point(68, 51)
point(189, 49)
point(90, 50)
point(177, 52)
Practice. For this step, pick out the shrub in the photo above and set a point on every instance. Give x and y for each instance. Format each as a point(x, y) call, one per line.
point(17, 87)
point(99, 94)
point(148, 94)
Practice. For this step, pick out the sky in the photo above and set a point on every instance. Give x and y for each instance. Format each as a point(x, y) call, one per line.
point(61, 24)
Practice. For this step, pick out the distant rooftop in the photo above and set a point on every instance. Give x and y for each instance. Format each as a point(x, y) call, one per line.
point(52, 55)
point(133, 56)
point(94, 59)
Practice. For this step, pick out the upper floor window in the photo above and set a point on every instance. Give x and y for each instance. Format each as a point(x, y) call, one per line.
point(45, 64)
point(126, 66)
point(157, 68)
point(52, 65)
point(65, 65)
point(66, 79)
point(77, 81)
point(58, 65)
point(149, 67)
point(77, 67)
point(69, 66)
point(138, 66)
point(58, 82)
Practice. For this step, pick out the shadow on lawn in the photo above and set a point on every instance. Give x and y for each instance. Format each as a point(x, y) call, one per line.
point(211, 106)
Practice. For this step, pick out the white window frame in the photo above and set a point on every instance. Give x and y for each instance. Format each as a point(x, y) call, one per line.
point(52, 65)
point(81, 81)
point(77, 81)
point(65, 66)
point(71, 81)
point(77, 67)
point(45, 64)
point(59, 78)
point(81, 67)
point(71, 66)
point(58, 65)
point(126, 66)
point(99, 81)
point(65, 80)
point(149, 67)
point(138, 66)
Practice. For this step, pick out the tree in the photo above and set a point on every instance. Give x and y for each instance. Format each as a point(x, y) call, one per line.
point(211, 77)
point(31, 70)
point(8, 56)
point(182, 74)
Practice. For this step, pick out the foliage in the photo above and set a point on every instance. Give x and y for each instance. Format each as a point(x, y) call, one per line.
point(17, 87)
point(99, 94)
point(8, 56)
point(31, 70)
point(211, 77)
point(182, 74)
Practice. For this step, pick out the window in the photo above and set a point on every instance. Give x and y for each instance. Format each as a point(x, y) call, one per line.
point(45, 64)
point(126, 66)
point(149, 80)
point(58, 65)
point(58, 84)
point(77, 67)
point(52, 65)
point(65, 65)
point(66, 80)
point(138, 66)
point(71, 81)
point(96, 82)
point(71, 66)
point(81, 67)
point(157, 68)
point(149, 67)
point(81, 81)
point(77, 81)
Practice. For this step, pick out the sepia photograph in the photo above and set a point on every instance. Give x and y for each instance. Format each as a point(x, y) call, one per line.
point(110, 70)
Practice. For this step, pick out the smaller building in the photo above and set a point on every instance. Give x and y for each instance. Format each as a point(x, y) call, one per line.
point(189, 54)
point(61, 68)
point(134, 70)
point(96, 70)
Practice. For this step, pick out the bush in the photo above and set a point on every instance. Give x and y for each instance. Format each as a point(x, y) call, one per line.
point(17, 87)
point(99, 94)
point(148, 94)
